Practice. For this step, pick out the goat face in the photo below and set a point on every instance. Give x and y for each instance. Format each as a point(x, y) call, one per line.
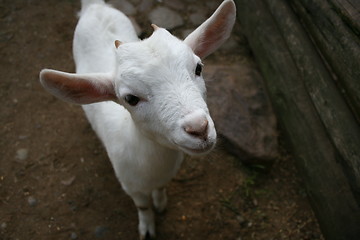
point(159, 81)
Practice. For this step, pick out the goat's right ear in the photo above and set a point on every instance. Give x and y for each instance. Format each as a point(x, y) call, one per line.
point(79, 88)
point(214, 31)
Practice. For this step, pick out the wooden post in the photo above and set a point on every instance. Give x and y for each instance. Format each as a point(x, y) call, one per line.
point(337, 118)
point(321, 130)
point(337, 37)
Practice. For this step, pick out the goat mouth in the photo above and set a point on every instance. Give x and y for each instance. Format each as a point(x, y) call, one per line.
point(196, 151)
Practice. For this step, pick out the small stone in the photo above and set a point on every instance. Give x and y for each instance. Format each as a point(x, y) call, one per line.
point(3, 225)
point(23, 137)
point(197, 18)
point(240, 219)
point(73, 235)
point(230, 45)
point(136, 2)
point(166, 18)
point(175, 4)
point(124, 6)
point(100, 231)
point(186, 32)
point(212, 5)
point(72, 205)
point(22, 154)
point(136, 26)
point(145, 5)
point(68, 182)
point(32, 201)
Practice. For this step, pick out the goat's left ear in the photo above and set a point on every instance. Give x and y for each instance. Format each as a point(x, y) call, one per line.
point(214, 31)
point(79, 88)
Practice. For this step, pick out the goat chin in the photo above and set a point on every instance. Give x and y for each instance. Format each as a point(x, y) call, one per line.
point(158, 89)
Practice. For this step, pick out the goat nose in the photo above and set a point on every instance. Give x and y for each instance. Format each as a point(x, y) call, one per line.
point(198, 128)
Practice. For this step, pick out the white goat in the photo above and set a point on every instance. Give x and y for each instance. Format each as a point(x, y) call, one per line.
point(144, 99)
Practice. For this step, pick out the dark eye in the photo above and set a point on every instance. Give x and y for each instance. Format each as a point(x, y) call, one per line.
point(198, 69)
point(132, 100)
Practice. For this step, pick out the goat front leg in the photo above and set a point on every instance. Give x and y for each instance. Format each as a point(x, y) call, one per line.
point(146, 215)
point(159, 199)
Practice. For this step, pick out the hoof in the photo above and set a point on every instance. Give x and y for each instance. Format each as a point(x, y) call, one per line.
point(160, 211)
point(147, 237)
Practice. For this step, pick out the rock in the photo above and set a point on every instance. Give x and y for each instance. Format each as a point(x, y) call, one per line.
point(22, 154)
point(126, 7)
point(186, 32)
point(240, 219)
point(197, 18)
point(166, 18)
point(69, 181)
point(73, 235)
point(145, 5)
point(72, 205)
point(23, 137)
point(136, 2)
point(3, 225)
point(242, 112)
point(212, 5)
point(230, 45)
point(100, 231)
point(32, 201)
point(175, 4)
point(136, 26)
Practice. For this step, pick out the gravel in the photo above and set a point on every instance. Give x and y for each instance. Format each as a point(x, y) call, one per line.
point(22, 154)
point(32, 201)
point(166, 18)
point(73, 235)
point(100, 231)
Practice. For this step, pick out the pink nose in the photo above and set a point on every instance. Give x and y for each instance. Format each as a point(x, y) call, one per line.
point(197, 128)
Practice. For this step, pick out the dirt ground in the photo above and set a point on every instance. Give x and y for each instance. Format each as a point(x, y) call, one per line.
point(56, 181)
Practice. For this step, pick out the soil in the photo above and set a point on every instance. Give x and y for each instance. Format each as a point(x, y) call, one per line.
point(56, 181)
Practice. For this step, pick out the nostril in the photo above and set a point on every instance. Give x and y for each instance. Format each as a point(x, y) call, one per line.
point(198, 130)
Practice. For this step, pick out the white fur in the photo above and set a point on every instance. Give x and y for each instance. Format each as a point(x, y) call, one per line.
point(146, 142)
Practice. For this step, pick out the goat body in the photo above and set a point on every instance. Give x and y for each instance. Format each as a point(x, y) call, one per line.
point(144, 99)
point(140, 163)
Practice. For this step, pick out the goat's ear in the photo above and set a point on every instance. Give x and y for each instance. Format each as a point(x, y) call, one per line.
point(214, 31)
point(78, 88)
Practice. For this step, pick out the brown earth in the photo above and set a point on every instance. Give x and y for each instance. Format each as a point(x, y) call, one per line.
point(63, 186)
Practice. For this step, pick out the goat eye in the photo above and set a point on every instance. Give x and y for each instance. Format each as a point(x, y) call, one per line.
point(132, 100)
point(198, 69)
